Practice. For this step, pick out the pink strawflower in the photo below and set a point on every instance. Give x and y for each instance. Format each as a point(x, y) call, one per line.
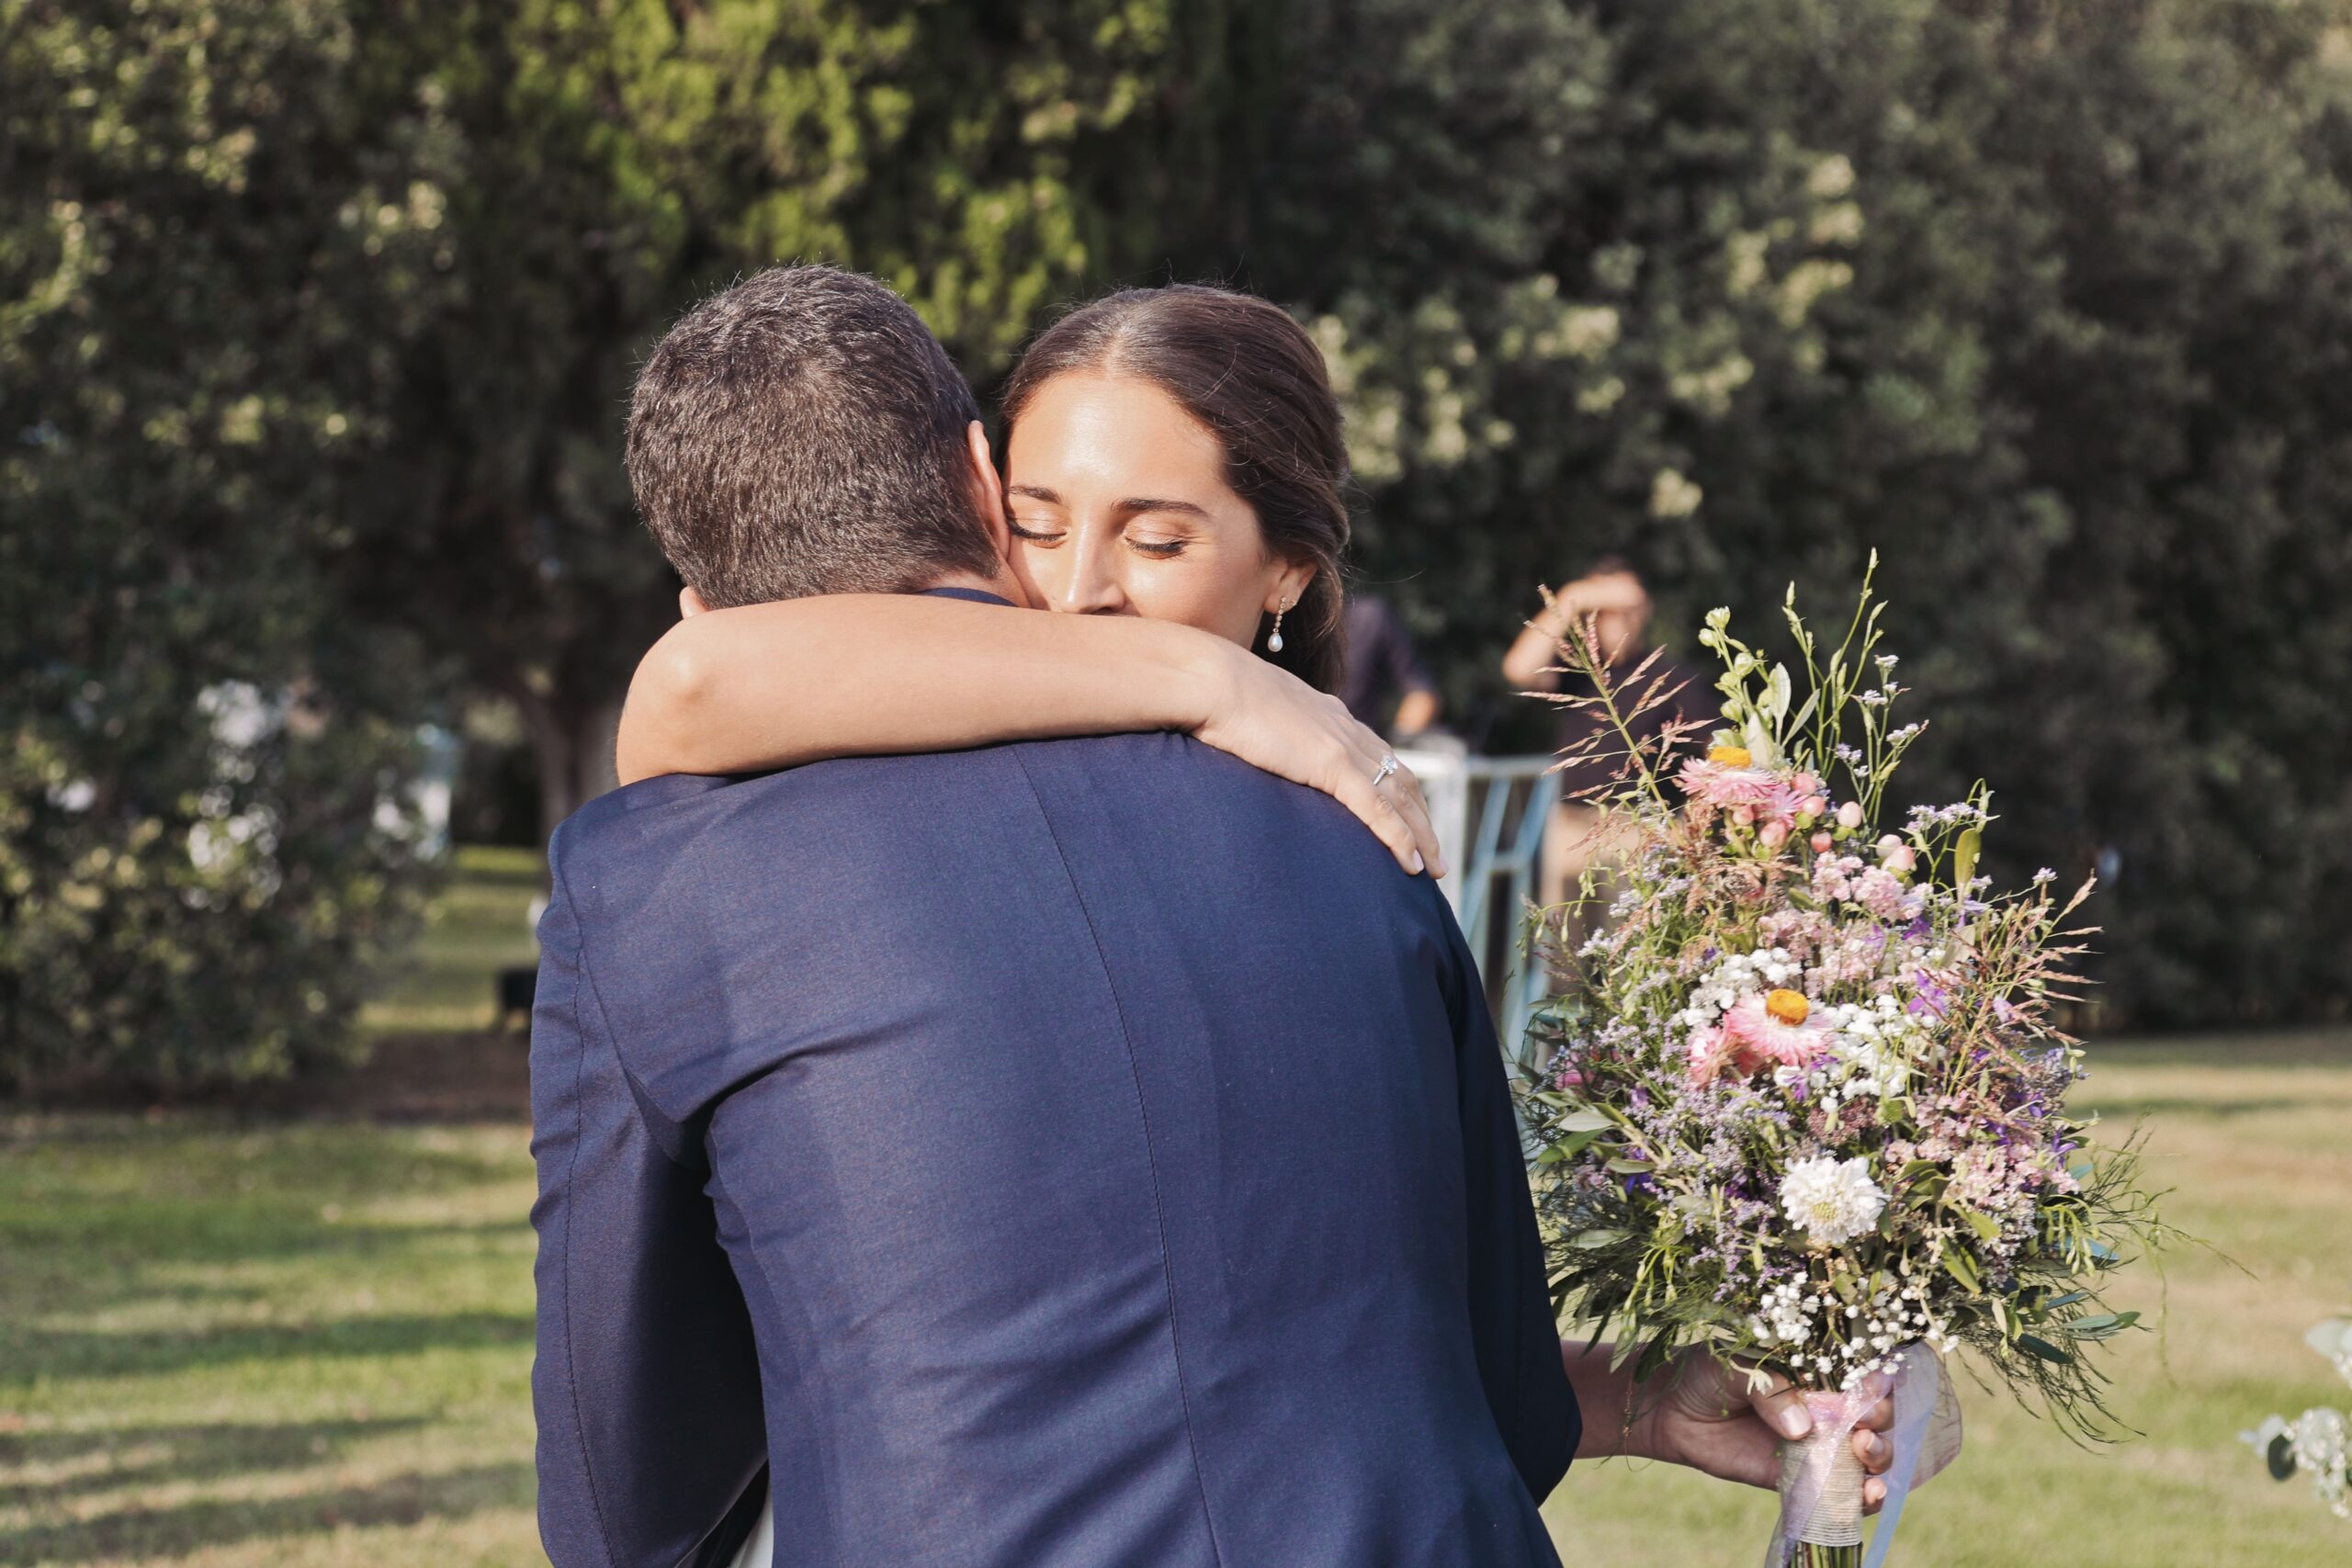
point(1749, 1040)
point(1762, 1038)
point(1766, 793)
point(1710, 1050)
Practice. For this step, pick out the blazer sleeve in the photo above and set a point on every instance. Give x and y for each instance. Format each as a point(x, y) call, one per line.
point(1517, 1341)
point(645, 1387)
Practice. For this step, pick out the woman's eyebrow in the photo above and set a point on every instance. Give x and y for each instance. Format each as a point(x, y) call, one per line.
point(1146, 503)
point(1036, 493)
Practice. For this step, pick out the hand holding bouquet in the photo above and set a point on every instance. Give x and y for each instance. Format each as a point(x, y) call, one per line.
point(1810, 1115)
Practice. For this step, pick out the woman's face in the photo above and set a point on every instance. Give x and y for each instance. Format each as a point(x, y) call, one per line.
point(1119, 506)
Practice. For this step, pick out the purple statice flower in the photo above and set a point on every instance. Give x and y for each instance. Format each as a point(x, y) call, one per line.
point(1934, 998)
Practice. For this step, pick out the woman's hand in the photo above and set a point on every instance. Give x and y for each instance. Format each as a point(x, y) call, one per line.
point(1271, 719)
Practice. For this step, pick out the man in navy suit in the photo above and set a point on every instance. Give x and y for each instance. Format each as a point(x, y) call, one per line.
point(1065, 1155)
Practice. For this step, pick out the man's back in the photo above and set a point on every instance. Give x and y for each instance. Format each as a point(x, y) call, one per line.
point(1109, 1146)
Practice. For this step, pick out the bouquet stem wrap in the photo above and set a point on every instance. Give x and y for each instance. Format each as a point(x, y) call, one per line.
point(1821, 1479)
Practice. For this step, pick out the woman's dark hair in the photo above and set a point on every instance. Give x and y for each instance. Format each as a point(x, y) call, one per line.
point(1252, 376)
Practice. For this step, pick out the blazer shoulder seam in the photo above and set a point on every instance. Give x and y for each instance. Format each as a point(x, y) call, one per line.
point(1151, 1158)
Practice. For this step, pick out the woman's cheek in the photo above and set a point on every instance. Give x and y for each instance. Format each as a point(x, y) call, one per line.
point(1197, 595)
point(1034, 569)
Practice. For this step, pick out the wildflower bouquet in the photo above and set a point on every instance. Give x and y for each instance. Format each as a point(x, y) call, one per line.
point(2318, 1443)
point(1810, 1113)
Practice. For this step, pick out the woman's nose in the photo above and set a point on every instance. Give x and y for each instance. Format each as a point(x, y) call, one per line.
point(1093, 588)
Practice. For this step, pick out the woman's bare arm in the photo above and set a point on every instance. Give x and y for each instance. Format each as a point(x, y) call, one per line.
point(777, 685)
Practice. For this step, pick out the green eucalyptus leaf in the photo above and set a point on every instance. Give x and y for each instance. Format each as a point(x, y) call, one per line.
point(2101, 1326)
point(1965, 850)
point(1963, 1268)
point(1575, 1143)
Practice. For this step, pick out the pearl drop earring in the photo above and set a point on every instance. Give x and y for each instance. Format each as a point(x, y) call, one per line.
point(1275, 639)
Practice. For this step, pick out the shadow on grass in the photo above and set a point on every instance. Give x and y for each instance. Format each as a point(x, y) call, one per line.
point(2121, 1111)
point(146, 1234)
point(238, 1154)
point(455, 1072)
point(64, 1268)
point(46, 1353)
point(401, 1500)
point(102, 1460)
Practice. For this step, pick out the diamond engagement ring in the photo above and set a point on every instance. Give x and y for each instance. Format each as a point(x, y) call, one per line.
point(1388, 765)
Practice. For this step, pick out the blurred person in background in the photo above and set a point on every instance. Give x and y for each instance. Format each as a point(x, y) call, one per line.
point(1611, 595)
point(1384, 683)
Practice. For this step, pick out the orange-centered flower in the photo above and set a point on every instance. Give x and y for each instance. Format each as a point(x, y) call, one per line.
point(1729, 756)
point(1788, 1007)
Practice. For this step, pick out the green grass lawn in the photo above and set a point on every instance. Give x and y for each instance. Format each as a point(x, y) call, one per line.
point(249, 1345)
point(256, 1342)
point(480, 922)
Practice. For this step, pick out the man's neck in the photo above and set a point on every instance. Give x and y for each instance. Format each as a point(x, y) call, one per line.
point(1003, 585)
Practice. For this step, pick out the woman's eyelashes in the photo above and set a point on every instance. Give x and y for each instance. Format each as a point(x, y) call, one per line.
point(1152, 545)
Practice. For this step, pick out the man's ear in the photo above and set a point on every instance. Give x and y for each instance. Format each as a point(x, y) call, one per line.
point(691, 602)
point(988, 489)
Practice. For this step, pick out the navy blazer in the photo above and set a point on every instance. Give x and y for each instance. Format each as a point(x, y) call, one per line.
point(1066, 1154)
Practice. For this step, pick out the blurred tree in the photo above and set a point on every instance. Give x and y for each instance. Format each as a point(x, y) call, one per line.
point(321, 314)
point(323, 320)
point(210, 241)
point(612, 162)
point(2046, 303)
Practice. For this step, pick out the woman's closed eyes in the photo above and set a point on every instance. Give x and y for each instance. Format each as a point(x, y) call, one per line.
point(1047, 536)
point(1155, 543)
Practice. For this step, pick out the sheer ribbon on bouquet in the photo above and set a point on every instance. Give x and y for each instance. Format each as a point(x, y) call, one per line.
point(1821, 1480)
